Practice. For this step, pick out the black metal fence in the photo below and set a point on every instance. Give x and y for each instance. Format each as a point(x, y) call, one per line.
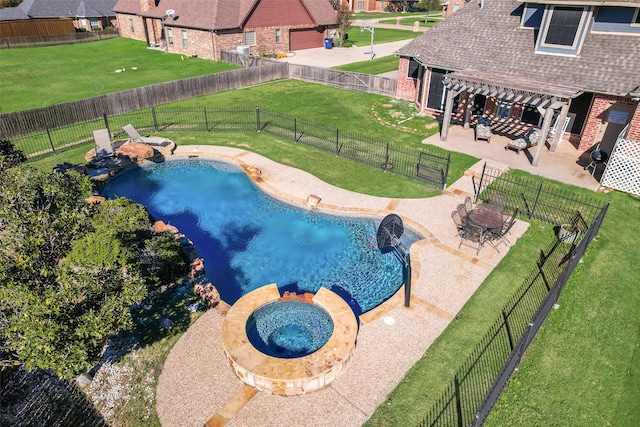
point(39, 398)
point(477, 384)
point(535, 199)
point(421, 164)
point(48, 119)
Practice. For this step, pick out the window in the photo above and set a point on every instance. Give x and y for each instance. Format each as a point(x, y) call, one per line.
point(504, 110)
point(277, 35)
point(250, 38)
point(531, 115)
point(170, 35)
point(131, 27)
point(185, 41)
point(636, 19)
point(532, 16)
point(94, 23)
point(414, 69)
point(360, 4)
point(563, 26)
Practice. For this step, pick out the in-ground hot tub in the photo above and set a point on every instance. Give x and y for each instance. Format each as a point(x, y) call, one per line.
point(284, 359)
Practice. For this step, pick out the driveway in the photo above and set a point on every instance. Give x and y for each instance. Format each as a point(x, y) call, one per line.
point(321, 57)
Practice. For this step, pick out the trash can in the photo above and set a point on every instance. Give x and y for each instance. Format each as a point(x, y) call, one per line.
point(328, 43)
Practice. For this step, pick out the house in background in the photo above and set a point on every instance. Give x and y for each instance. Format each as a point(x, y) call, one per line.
point(450, 7)
point(206, 27)
point(532, 64)
point(88, 15)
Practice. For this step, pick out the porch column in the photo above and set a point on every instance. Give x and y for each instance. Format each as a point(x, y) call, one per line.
point(446, 120)
point(557, 133)
point(467, 114)
point(544, 132)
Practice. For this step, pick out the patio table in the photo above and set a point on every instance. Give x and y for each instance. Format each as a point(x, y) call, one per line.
point(487, 216)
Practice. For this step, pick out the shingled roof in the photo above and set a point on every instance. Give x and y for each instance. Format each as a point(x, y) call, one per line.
point(59, 9)
point(220, 14)
point(489, 40)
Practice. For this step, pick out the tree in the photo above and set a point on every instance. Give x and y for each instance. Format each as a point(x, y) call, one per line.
point(9, 156)
point(70, 272)
point(345, 20)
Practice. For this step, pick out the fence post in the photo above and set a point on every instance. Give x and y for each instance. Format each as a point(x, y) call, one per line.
point(50, 140)
point(155, 119)
point(257, 119)
point(206, 119)
point(484, 167)
point(386, 161)
point(446, 173)
point(458, 400)
point(295, 129)
point(106, 123)
point(337, 142)
point(535, 203)
point(506, 324)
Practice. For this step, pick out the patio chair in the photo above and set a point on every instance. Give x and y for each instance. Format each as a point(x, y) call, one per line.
point(474, 235)
point(483, 128)
point(467, 204)
point(458, 221)
point(134, 136)
point(501, 235)
point(530, 139)
point(464, 213)
point(103, 146)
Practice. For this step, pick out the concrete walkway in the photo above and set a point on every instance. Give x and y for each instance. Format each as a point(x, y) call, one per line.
point(321, 57)
point(198, 387)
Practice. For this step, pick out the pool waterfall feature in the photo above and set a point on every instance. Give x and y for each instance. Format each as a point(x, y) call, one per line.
point(292, 375)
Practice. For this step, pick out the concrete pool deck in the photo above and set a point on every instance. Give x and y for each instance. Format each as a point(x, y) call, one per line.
point(197, 386)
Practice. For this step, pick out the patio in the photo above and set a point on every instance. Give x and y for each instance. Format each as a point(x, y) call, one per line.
point(198, 387)
point(566, 164)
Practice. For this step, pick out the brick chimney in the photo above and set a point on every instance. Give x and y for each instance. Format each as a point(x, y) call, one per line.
point(147, 4)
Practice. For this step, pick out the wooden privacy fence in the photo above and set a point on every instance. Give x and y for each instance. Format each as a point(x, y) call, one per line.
point(359, 82)
point(36, 27)
point(47, 40)
point(344, 79)
point(55, 116)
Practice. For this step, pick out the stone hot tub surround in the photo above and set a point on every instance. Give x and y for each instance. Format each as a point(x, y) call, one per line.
point(289, 376)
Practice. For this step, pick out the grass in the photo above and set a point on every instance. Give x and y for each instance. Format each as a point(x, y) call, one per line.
point(38, 77)
point(583, 367)
point(424, 22)
point(377, 66)
point(377, 15)
point(381, 35)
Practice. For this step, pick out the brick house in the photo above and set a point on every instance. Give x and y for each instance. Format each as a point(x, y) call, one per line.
point(206, 27)
point(88, 15)
point(532, 64)
point(450, 7)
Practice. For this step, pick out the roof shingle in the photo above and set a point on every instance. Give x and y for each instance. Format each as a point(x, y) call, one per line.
point(489, 39)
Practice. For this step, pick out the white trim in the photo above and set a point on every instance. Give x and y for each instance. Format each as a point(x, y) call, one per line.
point(635, 22)
point(616, 33)
point(586, 13)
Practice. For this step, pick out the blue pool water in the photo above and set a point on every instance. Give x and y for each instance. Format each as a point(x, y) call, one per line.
point(249, 240)
point(289, 329)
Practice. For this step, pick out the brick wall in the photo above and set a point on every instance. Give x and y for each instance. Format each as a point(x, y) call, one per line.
point(600, 105)
point(407, 87)
point(125, 26)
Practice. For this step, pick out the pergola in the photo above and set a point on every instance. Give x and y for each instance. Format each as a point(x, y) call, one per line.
point(546, 97)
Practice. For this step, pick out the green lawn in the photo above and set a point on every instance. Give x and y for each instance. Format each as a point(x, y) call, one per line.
point(42, 76)
point(424, 22)
point(377, 66)
point(584, 366)
point(378, 15)
point(381, 35)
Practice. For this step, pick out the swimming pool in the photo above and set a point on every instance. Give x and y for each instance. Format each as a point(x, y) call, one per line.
point(248, 239)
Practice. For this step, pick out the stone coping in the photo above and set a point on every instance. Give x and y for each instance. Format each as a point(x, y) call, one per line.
point(289, 376)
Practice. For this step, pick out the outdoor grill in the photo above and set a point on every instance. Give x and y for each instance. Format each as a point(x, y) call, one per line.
point(597, 157)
